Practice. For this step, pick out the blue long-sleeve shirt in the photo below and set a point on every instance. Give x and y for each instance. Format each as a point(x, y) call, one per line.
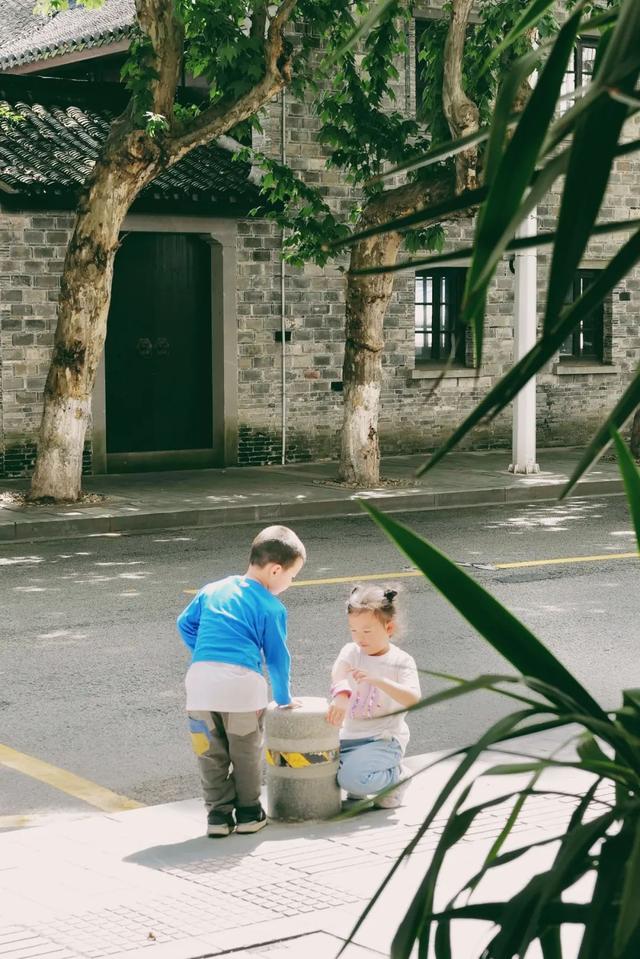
point(236, 620)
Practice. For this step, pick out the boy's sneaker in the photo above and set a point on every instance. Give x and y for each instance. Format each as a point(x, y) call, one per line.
point(220, 823)
point(250, 818)
point(395, 797)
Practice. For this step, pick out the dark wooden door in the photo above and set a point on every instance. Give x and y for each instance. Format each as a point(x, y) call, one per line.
point(158, 364)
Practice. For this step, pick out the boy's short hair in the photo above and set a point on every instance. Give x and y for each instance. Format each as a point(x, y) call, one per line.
point(277, 544)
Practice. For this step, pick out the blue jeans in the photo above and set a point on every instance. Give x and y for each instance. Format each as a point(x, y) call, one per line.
point(368, 765)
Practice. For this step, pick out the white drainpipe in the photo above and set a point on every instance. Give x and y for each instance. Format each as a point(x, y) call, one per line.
point(283, 354)
point(524, 338)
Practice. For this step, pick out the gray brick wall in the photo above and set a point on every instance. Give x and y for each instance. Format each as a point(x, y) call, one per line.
point(32, 247)
point(414, 416)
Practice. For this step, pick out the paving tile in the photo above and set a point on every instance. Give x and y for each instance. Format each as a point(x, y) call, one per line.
point(314, 945)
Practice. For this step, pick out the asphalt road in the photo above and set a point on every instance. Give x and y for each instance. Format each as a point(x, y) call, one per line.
point(91, 666)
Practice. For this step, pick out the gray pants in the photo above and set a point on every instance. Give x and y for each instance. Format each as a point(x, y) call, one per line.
point(229, 751)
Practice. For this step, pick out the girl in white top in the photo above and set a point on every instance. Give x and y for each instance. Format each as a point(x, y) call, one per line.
point(371, 681)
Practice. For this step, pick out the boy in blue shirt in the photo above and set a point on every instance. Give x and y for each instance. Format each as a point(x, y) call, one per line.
point(231, 627)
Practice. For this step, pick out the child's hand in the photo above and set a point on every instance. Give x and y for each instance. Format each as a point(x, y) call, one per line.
point(361, 676)
point(337, 710)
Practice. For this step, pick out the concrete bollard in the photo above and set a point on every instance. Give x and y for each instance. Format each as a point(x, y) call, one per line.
point(302, 752)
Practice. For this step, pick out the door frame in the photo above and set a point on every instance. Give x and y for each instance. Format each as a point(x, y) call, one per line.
point(221, 235)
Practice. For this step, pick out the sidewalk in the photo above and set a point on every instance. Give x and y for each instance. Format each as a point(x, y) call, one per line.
point(152, 501)
point(147, 883)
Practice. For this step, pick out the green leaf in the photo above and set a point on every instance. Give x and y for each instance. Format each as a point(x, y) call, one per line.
point(582, 807)
point(507, 857)
point(360, 29)
point(629, 916)
point(621, 412)
point(510, 823)
point(465, 687)
point(432, 213)
point(606, 770)
point(621, 58)
point(534, 12)
point(496, 733)
point(550, 943)
point(597, 940)
point(443, 152)
point(503, 209)
point(591, 160)
point(511, 384)
point(625, 98)
point(555, 913)
point(589, 750)
point(631, 479)
point(570, 863)
point(491, 681)
point(442, 940)
point(502, 115)
point(525, 918)
point(413, 924)
point(521, 243)
point(500, 628)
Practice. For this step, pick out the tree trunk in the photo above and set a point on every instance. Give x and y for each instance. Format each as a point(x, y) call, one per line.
point(462, 113)
point(85, 294)
point(367, 301)
point(129, 160)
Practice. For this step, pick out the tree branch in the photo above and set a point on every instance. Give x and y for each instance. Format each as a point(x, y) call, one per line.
point(256, 176)
point(407, 199)
point(462, 113)
point(259, 20)
point(222, 116)
point(158, 21)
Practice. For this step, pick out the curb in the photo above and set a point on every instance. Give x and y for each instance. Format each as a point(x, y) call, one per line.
point(25, 530)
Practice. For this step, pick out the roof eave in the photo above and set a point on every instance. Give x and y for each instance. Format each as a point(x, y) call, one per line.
point(61, 60)
point(67, 201)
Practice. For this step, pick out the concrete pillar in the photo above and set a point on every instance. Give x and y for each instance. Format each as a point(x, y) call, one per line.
point(302, 752)
point(524, 338)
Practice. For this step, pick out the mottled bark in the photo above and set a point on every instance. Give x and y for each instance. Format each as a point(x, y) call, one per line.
point(368, 296)
point(462, 113)
point(129, 160)
point(366, 306)
point(83, 307)
point(367, 301)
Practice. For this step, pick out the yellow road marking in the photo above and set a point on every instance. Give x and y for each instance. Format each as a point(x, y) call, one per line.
point(565, 560)
point(16, 822)
point(339, 579)
point(406, 574)
point(66, 782)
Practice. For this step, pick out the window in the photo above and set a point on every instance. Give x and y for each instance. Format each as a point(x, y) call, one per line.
point(438, 334)
point(586, 342)
point(579, 69)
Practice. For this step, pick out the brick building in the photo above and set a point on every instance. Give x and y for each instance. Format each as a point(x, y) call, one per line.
point(196, 367)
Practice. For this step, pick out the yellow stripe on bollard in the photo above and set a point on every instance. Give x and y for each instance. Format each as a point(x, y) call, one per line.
point(300, 760)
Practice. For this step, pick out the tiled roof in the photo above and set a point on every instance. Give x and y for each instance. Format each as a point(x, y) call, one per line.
point(46, 156)
point(26, 37)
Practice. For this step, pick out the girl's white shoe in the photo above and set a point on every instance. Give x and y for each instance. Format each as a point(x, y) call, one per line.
point(395, 797)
